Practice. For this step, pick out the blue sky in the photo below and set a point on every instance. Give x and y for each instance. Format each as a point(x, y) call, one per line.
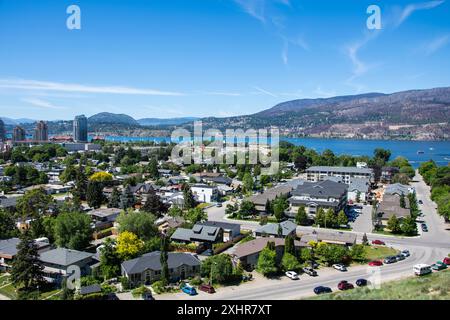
point(175, 58)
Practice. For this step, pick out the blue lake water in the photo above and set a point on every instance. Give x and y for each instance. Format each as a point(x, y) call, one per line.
point(439, 151)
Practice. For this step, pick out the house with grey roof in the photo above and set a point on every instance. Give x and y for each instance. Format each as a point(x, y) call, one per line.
point(199, 234)
point(358, 190)
point(147, 268)
point(259, 200)
point(390, 206)
point(398, 189)
point(331, 237)
point(230, 230)
point(320, 173)
point(57, 262)
point(322, 194)
point(8, 250)
point(277, 230)
point(247, 253)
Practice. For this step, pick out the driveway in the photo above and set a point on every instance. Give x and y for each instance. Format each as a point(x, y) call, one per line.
point(363, 222)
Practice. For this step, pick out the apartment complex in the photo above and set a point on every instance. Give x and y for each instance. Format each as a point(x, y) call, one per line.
point(320, 173)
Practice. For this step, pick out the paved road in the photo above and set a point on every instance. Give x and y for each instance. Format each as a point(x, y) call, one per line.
point(363, 222)
point(428, 248)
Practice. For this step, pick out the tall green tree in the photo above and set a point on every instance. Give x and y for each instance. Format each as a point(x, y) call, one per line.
point(342, 219)
point(7, 225)
point(289, 262)
point(394, 225)
point(267, 262)
point(127, 199)
point(301, 217)
point(94, 194)
point(188, 197)
point(247, 181)
point(142, 224)
point(109, 260)
point(34, 203)
point(153, 204)
point(289, 245)
point(27, 269)
point(153, 169)
point(218, 268)
point(164, 258)
point(409, 226)
point(72, 230)
point(114, 200)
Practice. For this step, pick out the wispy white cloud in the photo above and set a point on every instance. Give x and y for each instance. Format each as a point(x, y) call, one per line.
point(263, 91)
point(255, 8)
point(411, 8)
point(436, 44)
point(24, 84)
point(220, 93)
point(41, 103)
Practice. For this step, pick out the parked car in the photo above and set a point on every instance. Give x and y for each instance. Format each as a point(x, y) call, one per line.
point(310, 271)
point(189, 290)
point(313, 264)
point(424, 227)
point(147, 296)
point(375, 263)
point(405, 253)
point(400, 257)
point(322, 289)
point(422, 269)
point(206, 288)
point(438, 266)
point(389, 260)
point(344, 285)
point(112, 296)
point(378, 242)
point(340, 267)
point(446, 260)
point(247, 277)
point(218, 204)
point(292, 275)
point(420, 202)
point(361, 282)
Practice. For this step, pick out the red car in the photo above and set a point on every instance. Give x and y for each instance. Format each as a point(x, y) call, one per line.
point(206, 288)
point(446, 260)
point(344, 285)
point(375, 263)
point(378, 242)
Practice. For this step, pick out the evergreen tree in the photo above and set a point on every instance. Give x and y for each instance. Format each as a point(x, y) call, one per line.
point(153, 169)
point(402, 201)
point(189, 201)
point(164, 261)
point(127, 199)
point(268, 207)
point(153, 203)
point(94, 195)
point(289, 245)
point(7, 225)
point(81, 182)
point(365, 240)
point(320, 217)
point(342, 219)
point(114, 200)
point(301, 217)
point(109, 260)
point(27, 269)
point(393, 224)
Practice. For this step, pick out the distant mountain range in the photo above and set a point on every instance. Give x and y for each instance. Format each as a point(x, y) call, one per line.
point(13, 122)
point(413, 114)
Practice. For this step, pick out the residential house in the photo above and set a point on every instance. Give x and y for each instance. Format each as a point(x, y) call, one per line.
point(330, 237)
point(8, 250)
point(260, 200)
point(277, 230)
point(323, 194)
point(319, 173)
point(247, 253)
point(358, 190)
point(147, 268)
point(205, 193)
point(199, 234)
point(104, 218)
point(390, 206)
point(57, 262)
point(230, 230)
point(398, 189)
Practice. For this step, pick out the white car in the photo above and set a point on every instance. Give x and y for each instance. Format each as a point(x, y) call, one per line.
point(292, 275)
point(405, 253)
point(340, 267)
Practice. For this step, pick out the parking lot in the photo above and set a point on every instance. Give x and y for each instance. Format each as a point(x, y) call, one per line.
point(362, 220)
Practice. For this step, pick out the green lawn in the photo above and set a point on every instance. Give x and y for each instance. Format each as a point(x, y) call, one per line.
point(8, 291)
point(379, 252)
point(434, 286)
